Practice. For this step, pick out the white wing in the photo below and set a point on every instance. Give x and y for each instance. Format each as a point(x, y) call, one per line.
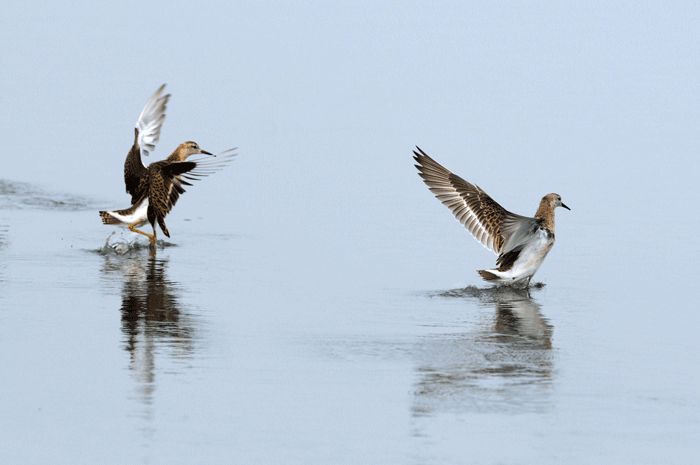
point(206, 166)
point(150, 121)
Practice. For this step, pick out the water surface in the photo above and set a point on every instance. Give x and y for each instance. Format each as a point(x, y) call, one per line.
point(315, 303)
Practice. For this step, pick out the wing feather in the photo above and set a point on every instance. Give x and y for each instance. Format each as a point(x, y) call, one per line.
point(166, 180)
point(496, 228)
point(147, 133)
point(150, 121)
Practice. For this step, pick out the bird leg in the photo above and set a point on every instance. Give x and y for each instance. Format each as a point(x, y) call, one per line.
point(151, 238)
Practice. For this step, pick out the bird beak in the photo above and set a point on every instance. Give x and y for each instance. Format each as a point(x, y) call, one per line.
point(565, 207)
point(207, 153)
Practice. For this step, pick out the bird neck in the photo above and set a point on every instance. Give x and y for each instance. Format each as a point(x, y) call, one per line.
point(546, 212)
point(180, 154)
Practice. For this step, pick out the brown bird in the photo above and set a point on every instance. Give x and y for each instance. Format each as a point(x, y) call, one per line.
point(521, 242)
point(155, 189)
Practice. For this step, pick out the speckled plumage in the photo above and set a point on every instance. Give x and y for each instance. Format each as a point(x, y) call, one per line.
point(155, 188)
point(164, 182)
point(521, 242)
point(161, 185)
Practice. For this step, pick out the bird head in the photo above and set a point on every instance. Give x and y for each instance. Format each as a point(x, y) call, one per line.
point(555, 201)
point(186, 149)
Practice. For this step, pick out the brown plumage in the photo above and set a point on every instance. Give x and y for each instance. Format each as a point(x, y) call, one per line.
point(134, 170)
point(546, 210)
point(479, 213)
point(155, 188)
point(162, 183)
point(108, 219)
point(488, 276)
point(520, 242)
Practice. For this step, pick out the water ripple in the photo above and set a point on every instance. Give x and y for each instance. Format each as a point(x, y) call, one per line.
point(504, 364)
point(21, 195)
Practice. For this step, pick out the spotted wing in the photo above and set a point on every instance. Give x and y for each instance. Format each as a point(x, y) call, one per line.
point(147, 134)
point(496, 228)
point(167, 179)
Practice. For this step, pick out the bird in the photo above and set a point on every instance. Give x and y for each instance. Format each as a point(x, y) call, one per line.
point(155, 188)
point(521, 242)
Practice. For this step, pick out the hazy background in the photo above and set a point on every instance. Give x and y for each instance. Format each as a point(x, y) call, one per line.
point(319, 305)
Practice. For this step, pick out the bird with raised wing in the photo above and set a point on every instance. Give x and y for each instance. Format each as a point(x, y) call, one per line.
point(521, 242)
point(155, 188)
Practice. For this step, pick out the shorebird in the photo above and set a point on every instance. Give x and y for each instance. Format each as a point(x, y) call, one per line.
point(155, 188)
point(521, 242)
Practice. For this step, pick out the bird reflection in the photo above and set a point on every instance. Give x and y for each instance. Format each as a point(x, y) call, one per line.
point(4, 229)
point(517, 314)
point(506, 365)
point(152, 320)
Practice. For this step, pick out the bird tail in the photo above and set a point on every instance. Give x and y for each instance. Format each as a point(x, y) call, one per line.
point(108, 219)
point(488, 276)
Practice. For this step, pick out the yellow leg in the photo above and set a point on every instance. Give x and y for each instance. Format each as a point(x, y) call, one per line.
point(150, 238)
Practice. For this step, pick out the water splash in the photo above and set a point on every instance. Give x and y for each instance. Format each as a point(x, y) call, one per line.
point(487, 292)
point(125, 243)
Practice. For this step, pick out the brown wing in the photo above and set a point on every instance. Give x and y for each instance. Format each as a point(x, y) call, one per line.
point(134, 171)
point(162, 184)
point(484, 218)
point(166, 180)
point(142, 188)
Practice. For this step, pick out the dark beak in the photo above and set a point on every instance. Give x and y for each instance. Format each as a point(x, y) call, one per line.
point(565, 207)
point(207, 153)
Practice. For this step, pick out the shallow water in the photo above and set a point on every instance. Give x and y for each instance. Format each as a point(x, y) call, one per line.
point(315, 303)
point(235, 346)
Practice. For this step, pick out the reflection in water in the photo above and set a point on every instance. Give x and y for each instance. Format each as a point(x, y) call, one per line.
point(504, 366)
point(152, 320)
point(4, 228)
point(4, 239)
